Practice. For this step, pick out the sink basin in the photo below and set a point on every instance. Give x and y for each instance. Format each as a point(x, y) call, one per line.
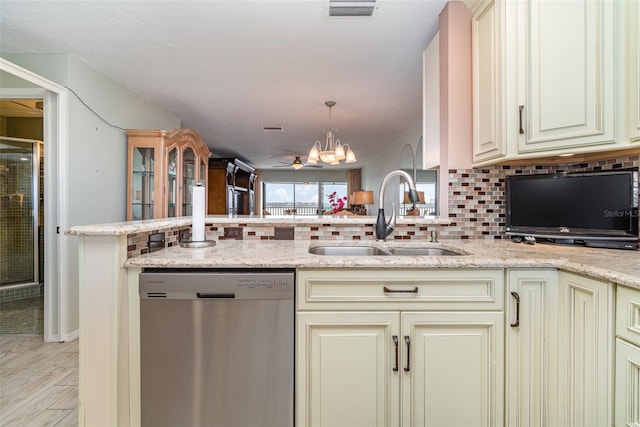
point(348, 250)
point(373, 251)
point(423, 251)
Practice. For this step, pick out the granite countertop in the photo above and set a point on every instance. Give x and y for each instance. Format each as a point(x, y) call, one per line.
point(132, 227)
point(619, 266)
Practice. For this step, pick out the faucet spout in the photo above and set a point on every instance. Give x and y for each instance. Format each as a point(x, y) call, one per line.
point(384, 229)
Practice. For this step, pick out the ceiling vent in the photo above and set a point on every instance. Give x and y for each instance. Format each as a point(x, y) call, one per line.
point(351, 7)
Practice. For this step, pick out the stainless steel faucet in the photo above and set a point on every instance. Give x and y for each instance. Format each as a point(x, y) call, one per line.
point(383, 229)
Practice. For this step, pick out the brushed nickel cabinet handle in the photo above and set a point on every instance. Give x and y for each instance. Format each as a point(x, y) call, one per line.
point(408, 341)
point(395, 342)
point(520, 108)
point(400, 291)
point(517, 298)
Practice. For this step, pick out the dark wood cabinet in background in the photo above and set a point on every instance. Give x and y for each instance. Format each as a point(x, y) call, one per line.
point(231, 187)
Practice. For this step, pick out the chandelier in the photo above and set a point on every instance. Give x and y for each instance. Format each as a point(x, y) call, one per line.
point(333, 151)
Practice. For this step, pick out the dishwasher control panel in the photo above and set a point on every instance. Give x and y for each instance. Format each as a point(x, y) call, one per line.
point(216, 284)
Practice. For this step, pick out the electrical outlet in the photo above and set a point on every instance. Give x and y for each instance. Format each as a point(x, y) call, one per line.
point(233, 233)
point(156, 242)
point(283, 233)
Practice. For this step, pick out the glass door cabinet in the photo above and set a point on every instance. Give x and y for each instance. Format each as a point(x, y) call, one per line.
point(163, 167)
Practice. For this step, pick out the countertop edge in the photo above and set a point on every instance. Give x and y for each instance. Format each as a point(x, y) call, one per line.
point(131, 227)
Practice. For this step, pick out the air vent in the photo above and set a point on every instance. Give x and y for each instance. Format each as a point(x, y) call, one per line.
point(351, 7)
point(278, 128)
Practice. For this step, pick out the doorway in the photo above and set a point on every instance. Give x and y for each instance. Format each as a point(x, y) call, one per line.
point(21, 217)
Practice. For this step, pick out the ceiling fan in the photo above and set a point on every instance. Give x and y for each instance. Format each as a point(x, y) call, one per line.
point(297, 164)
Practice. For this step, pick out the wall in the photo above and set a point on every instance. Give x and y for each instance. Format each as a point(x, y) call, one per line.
point(96, 162)
point(388, 160)
point(456, 111)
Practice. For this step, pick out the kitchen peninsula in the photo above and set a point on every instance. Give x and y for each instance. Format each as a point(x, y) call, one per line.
point(112, 258)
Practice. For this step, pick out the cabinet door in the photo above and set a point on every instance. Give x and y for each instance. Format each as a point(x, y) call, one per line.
point(633, 75)
point(345, 366)
point(172, 183)
point(188, 181)
point(142, 182)
point(489, 80)
point(566, 74)
point(453, 369)
point(531, 347)
point(627, 384)
point(585, 351)
point(430, 105)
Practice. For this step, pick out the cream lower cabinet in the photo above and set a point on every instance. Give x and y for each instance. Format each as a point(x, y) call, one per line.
point(627, 399)
point(531, 341)
point(585, 351)
point(451, 369)
point(347, 363)
point(400, 348)
point(627, 384)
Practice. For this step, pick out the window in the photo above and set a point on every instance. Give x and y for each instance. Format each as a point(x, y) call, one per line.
point(300, 198)
point(427, 184)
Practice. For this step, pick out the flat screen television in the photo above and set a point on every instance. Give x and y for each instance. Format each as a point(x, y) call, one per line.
point(591, 208)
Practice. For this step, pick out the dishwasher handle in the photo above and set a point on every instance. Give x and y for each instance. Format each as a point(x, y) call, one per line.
point(216, 295)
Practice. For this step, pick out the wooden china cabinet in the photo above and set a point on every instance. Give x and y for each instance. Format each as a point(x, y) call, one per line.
point(163, 167)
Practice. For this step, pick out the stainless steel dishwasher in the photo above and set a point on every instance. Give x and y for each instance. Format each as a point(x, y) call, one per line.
point(217, 347)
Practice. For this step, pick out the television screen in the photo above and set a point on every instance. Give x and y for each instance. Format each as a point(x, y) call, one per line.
point(581, 205)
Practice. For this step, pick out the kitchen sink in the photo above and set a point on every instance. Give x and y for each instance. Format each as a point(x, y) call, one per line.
point(373, 251)
point(348, 250)
point(423, 251)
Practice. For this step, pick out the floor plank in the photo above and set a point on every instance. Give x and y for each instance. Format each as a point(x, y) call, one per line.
point(38, 382)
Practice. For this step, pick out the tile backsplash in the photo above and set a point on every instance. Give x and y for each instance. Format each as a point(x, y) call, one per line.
point(476, 196)
point(476, 210)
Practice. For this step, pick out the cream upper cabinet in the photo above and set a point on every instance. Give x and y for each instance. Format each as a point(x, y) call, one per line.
point(552, 78)
point(531, 346)
point(566, 61)
point(585, 351)
point(633, 75)
point(491, 42)
point(400, 347)
point(431, 105)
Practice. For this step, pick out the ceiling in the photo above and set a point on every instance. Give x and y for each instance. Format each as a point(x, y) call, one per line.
point(228, 68)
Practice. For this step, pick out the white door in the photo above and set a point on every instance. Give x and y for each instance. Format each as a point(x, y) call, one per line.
point(453, 370)
point(566, 74)
point(532, 317)
point(585, 351)
point(346, 369)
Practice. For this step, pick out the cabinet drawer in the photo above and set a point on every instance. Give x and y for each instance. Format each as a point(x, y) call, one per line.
point(434, 289)
point(628, 314)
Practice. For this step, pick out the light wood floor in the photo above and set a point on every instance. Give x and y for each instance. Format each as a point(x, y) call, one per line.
point(38, 382)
